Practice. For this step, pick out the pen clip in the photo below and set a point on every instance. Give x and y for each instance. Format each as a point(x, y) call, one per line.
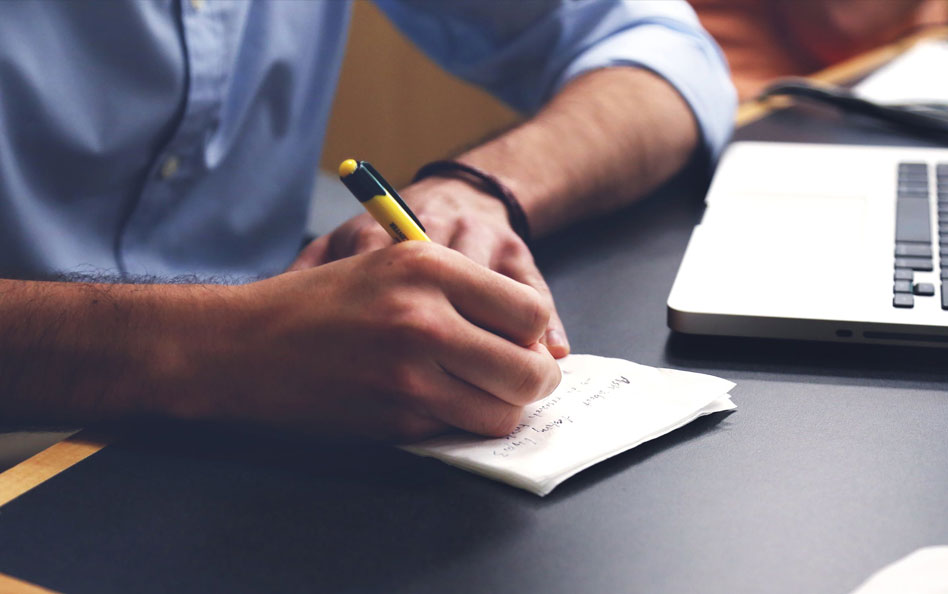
point(381, 181)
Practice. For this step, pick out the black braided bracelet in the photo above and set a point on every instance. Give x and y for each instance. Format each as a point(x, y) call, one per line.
point(484, 182)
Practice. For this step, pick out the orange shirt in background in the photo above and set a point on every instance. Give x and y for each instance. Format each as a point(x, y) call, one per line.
point(767, 39)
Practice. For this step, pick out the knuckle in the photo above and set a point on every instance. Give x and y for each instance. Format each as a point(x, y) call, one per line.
point(406, 383)
point(393, 309)
point(417, 258)
point(466, 223)
point(539, 310)
point(531, 383)
point(416, 325)
point(502, 423)
point(366, 237)
point(434, 223)
point(514, 248)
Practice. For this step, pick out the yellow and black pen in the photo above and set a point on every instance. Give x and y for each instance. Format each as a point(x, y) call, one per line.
point(381, 200)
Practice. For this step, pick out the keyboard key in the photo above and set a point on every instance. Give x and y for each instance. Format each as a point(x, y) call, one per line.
point(941, 168)
point(944, 294)
point(924, 289)
point(901, 286)
point(944, 274)
point(904, 274)
point(913, 221)
point(923, 264)
point(907, 300)
point(913, 249)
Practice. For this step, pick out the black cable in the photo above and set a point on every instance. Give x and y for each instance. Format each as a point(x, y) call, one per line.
point(924, 119)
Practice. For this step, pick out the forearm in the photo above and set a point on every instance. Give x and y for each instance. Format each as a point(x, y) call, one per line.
point(73, 353)
point(606, 139)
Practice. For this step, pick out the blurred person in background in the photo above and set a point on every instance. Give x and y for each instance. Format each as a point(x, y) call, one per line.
point(768, 39)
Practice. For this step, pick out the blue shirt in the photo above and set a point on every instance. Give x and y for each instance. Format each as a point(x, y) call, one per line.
point(164, 137)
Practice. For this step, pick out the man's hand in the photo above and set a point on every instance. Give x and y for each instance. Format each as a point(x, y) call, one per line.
point(458, 216)
point(397, 344)
point(607, 138)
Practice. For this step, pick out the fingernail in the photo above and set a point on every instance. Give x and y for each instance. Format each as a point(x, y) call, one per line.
point(555, 338)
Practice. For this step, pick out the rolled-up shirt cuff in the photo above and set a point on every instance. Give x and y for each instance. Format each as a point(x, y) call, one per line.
point(691, 63)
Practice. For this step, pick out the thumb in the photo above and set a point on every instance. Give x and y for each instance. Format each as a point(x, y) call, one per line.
point(314, 254)
point(555, 336)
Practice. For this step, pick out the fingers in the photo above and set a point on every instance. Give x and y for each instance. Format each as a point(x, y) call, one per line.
point(362, 234)
point(357, 235)
point(314, 254)
point(486, 298)
point(474, 241)
point(469, 375)
point(518, 264)
point(462, 405)
point(515, 374)
point(512, 258)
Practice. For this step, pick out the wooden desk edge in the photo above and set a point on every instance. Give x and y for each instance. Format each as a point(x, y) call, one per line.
point(11, 584)
point(45, 465)
point(752, 110)
point(36, 470)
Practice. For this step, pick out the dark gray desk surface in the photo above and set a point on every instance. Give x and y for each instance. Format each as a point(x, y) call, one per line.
point(835, 464)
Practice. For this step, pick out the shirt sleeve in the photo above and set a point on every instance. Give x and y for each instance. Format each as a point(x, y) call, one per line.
point(525, 51)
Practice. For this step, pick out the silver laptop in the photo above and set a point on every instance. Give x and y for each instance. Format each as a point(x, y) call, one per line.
point(820, 242)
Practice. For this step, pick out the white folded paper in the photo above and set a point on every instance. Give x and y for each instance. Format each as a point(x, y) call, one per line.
point(917, 76)
point(923, 572)
point(602, 407)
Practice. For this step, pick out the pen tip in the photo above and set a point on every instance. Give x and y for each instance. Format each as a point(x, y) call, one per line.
point(347, 167)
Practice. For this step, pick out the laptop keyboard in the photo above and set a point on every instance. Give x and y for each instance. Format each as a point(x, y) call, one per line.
point(913, 233)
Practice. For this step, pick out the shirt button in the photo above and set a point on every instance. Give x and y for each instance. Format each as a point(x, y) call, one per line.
point(197, 5)
point(169, 167)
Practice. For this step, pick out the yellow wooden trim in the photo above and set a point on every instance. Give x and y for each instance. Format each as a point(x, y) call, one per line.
point(755, 109)
point(9, 585)
point(752, 110)
point(45, 465)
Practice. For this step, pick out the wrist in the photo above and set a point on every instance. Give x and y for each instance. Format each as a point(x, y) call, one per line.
point(434, 194)
point(486, 184)
point(190, 360)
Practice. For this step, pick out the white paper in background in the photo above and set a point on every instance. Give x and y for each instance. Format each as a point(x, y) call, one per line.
point(920, 75)
point(602, 407)
point(925, 571)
